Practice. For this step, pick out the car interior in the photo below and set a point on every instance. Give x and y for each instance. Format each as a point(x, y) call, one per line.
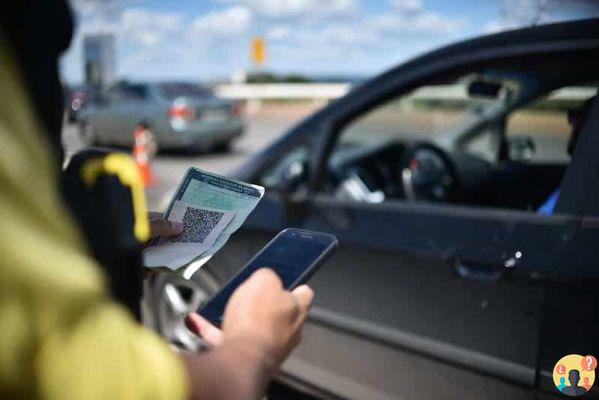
point(490, 138)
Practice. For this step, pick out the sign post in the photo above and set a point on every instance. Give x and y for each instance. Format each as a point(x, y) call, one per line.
point(258, 51)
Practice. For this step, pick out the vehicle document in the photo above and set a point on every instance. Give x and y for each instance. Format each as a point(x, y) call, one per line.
point(201, 227)
point(199, 196)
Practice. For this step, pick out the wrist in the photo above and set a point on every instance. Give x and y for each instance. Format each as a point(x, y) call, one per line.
point(255, 354)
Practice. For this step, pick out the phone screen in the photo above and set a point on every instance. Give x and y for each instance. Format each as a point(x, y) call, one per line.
point(290, 255)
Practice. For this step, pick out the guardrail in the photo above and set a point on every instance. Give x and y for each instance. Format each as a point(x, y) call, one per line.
point(283, 91)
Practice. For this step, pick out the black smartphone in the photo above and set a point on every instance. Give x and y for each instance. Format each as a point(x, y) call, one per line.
point(294, 254)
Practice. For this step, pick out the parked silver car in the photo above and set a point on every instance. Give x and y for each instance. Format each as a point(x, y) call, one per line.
point(180, 115)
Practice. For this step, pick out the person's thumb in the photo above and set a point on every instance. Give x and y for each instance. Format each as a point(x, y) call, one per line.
point(164, 228)
point(304, 295)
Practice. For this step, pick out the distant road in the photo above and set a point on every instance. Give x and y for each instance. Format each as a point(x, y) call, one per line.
point(263, 127)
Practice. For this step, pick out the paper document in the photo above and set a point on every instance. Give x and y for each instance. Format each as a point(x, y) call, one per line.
point(201, 228)
point(201, 190)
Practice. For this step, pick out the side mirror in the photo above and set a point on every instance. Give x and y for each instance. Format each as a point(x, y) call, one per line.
point(484, 89)
point(521, 148)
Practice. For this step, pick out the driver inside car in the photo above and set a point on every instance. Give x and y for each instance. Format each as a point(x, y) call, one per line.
point(576, 119)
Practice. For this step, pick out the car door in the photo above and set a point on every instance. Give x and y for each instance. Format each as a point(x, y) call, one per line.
point(417, 293)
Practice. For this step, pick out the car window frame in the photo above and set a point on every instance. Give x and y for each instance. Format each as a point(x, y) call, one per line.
point(405, 78)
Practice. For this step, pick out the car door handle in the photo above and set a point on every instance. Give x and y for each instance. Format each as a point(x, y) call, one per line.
point(477, 272)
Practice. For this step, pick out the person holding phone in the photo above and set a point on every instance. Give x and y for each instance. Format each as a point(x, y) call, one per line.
point(63, 335)
point(261, 326)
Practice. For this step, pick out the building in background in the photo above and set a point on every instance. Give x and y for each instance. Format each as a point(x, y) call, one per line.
point(99, 60)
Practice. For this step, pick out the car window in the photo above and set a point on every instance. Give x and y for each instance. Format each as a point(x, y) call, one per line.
point(403, 149)
point(540, 132)
point(448, 144)
point(128, 91)
point(174, 90)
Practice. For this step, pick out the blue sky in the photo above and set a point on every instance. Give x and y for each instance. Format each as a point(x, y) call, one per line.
point(209, 39)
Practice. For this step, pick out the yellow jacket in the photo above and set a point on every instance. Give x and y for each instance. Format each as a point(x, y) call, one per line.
point(61, 336)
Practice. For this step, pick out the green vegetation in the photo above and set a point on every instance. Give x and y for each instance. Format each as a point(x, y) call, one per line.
point(268, 77)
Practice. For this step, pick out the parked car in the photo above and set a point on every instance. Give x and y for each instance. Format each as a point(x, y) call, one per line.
point(448, 283)
point(180, 115)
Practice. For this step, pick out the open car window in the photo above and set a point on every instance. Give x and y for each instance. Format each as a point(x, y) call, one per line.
point(474, 141)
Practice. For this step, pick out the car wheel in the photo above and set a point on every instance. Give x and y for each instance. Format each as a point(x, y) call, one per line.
point(88, 134)
point(168, 298)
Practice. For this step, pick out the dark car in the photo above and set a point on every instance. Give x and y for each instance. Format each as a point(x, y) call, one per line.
point(449, 283)
point(180, 115)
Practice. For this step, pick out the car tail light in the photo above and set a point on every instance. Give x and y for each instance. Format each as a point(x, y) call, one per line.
point(236, 109)
point(181, 111)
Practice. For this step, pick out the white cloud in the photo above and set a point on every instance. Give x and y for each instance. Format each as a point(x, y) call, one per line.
point(282, 9)
point(278, 32)
point(519, 13)
point(407, 6)
point(231, 21)
point(148, 28)
point(302, 36)
point(410, 16)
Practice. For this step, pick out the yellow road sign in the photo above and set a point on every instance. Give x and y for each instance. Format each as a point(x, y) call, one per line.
point(258, 50)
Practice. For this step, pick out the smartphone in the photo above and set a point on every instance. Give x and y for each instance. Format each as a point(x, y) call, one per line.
point(294, 254)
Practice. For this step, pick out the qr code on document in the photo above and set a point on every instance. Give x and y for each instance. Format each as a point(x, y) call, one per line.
point(198, 224)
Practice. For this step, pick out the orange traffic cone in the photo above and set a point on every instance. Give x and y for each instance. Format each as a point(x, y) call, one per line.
point(143, 139)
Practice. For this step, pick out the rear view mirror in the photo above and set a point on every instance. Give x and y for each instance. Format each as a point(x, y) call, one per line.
point(484, 89)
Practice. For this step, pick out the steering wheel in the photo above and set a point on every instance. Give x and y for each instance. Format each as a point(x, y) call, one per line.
point(427, 173)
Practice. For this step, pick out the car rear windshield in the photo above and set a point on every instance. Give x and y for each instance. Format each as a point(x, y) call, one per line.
point(175, 90)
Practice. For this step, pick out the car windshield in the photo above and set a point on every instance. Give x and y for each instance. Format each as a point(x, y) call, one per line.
point(175, 90)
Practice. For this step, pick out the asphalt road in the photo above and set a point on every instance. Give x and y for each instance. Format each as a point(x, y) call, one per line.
point(263, 127)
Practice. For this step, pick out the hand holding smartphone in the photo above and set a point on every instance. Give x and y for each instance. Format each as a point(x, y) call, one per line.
point(294, 255)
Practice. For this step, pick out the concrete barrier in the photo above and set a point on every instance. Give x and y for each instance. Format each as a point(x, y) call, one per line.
point(254, 94)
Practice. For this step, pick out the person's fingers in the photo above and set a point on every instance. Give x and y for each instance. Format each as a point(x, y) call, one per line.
point(154, 215)
point(204, 329)
point(164, 228)
point(304, 295)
